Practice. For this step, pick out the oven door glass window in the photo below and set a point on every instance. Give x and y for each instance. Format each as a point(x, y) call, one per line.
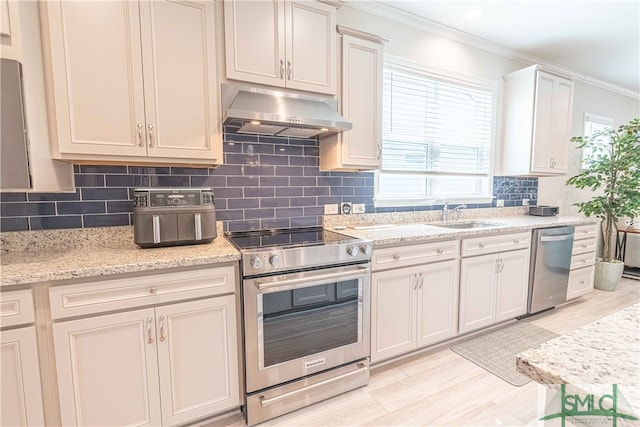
point(300, 322)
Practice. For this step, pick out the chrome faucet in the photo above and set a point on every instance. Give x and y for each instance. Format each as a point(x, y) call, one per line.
point(446, 211)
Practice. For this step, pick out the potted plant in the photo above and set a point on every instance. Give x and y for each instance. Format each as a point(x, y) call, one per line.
point(611, 170)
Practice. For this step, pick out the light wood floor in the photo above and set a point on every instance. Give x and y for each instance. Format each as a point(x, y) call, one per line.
point(440, 388)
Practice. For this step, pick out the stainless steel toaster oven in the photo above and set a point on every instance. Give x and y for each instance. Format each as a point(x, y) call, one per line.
point(173, 216)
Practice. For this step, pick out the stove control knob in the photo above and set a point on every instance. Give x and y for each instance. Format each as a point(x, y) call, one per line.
point(352, 250)
point(366, 249)
point(275, 261)
point(256, 262)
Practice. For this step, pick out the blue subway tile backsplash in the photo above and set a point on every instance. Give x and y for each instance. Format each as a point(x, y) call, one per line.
point(266, 182)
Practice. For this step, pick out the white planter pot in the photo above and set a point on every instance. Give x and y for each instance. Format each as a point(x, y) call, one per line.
point(608, 275)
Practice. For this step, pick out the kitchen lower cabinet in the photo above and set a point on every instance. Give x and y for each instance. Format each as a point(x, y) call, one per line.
point(155, 366)
point(21, 403)
point(163, 359)
point(132, 81)
point(412, 308)
point(583, 258)
point(493, 288)
point(21, 389)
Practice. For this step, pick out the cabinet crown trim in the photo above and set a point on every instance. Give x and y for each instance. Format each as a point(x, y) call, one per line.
point(360, 34)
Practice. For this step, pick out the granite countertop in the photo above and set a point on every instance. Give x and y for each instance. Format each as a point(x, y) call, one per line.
point(604, 352)
point(35, 257)
point(45, 256)
point(393, 234)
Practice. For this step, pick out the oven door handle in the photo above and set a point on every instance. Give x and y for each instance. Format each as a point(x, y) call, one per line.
point(311, 277)
point(268, 401)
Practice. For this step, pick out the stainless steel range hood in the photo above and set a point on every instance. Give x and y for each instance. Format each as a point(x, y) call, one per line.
point(267, 112)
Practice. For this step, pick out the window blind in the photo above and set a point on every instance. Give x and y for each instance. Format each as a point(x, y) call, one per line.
point(593, 125)
point(436, 137)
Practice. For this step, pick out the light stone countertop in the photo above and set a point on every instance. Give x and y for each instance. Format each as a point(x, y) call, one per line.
point(52, 255)
point(36, 257)
point(394, 234)
point(592, 358)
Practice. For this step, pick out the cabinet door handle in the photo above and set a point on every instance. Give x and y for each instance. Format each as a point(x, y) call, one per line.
point(501, 266)
point(140, 137)
point(415, 281)
point(497, 269)
point(288, 70)
point(281, 69)
point(379, 151)
point(161, 328)
point(149, 336)
point(150, 135)
point(421, 280)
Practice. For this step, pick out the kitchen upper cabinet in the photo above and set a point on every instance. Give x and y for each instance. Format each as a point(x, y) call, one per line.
point(290, 44)
point(361, 104)
point(538, 107)
point(133, 81)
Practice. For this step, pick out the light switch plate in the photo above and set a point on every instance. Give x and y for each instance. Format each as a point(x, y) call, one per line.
point(358, 208)
point(331, 209)
point(500, 203)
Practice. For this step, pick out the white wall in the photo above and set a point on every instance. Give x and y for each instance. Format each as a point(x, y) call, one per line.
point(434, 50)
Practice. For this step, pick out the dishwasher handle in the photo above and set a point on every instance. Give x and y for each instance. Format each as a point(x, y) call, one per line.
point(556, 238)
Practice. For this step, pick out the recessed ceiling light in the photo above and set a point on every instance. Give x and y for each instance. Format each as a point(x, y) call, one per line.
point(474, 14)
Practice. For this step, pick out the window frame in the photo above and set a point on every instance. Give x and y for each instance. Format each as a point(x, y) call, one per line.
point(593, 118)
point(447, 76)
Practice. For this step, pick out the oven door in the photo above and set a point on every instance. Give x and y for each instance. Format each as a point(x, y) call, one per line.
point(299, 324)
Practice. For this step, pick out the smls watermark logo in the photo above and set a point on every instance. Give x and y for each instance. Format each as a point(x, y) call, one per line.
point(589, 408)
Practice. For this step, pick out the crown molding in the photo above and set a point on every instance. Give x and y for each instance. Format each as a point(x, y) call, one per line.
point(393, 13)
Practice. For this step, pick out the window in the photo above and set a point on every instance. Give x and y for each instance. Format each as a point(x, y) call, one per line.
point(437, 138)
point(594, 124)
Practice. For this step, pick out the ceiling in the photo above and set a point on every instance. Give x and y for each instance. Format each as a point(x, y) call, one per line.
point(597, 39)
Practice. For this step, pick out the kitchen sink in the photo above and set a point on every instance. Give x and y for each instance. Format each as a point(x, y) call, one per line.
point(466, 225)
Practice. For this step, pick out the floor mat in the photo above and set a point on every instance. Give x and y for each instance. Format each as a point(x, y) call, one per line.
point(496, 351)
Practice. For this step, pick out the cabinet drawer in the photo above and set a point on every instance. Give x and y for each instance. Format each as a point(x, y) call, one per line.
point(580, 282)
point(586, 231)
point(584, 246)
point(583, 260)
point(96, 297)
point(490, 244)
point(16, 308)
point(414, 254)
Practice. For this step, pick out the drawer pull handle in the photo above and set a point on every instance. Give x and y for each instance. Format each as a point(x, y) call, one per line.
point(481, 245)
point(583, 261)
point(584, 246)
point(161, 328)
point(516, 241)
point(396, 257)
point(582, 282)
point(153, 290)
point(440, 251)
point(149, 336)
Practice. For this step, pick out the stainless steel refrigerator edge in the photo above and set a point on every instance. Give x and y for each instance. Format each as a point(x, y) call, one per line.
point(550, 263)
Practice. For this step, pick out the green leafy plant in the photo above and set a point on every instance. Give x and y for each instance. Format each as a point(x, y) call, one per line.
point(613, 166)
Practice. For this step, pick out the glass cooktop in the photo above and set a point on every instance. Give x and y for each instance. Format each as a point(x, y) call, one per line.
point(286, 238)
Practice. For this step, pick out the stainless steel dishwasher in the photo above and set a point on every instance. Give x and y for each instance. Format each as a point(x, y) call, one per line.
point(550, 262)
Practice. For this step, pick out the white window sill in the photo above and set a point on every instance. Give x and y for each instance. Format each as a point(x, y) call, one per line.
point(381, 202)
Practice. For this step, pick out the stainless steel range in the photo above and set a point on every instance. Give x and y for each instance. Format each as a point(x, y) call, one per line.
point(305, 294)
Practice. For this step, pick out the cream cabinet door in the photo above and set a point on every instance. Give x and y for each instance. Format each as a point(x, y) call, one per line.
point(96, 60)
point(21, 403)
point(512, 285)
point(107, 370)
point(310, 46)
point(198, 358)
point(437, 302)
point(393, 313)
point(563, 103)
point(255, 41)
point(178, 45)
point(477, 292)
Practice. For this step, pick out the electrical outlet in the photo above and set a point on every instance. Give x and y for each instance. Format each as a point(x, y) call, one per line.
point(346, 208)
point(358, 208)
point(525, 202)
point(500, 203)
point(331, 209)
